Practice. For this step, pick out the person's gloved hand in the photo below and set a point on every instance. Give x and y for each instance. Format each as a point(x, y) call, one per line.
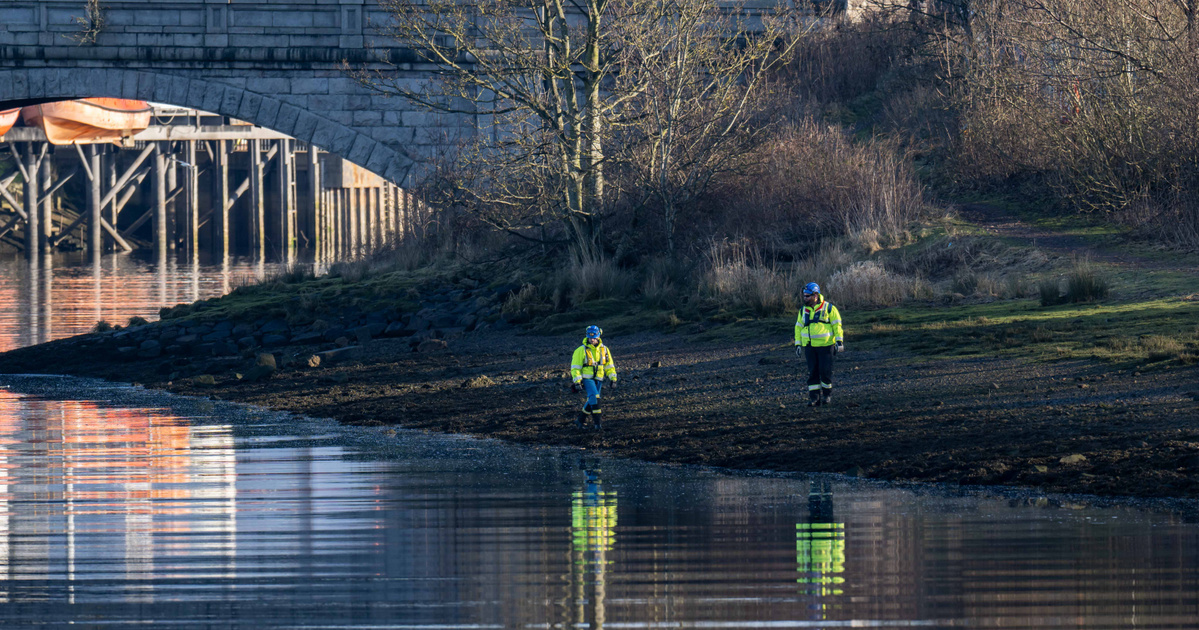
point(840, 347)
point(799, 351)
point(613, 384)
point(574, 388)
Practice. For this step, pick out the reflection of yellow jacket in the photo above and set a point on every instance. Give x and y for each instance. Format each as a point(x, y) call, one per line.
point(592, 362)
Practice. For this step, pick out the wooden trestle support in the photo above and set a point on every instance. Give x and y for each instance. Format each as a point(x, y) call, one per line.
point(267, 195)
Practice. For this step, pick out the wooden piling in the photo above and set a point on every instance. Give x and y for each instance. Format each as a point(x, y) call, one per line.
point(286, 198)
point(47, 201)
point(313, 215)
point(159, 190)
point(192, 177)
point(221, 202)
point(257, 203)
point(172, 172)
point(95, 242)
point(33, 230)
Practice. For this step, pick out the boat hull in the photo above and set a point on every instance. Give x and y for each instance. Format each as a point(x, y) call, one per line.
point(89, 120)
point(8, 118)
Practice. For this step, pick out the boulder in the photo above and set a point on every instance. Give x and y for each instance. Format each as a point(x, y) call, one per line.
point(432, 345)
point(397, 329)
point(308, 337)
point(266, 359)
point(257, 373)
point(274, 326)
point(274, 340)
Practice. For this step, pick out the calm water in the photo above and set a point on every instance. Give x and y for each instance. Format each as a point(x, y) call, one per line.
point(119, 505)
point(66, 295)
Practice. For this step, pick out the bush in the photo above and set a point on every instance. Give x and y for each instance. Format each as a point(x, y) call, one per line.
point(595, 278)
point(101, 326)
point(137, 320)
point(1050, 292)
point(867, 283)
point(813, 181)
point(1084, 284)
point(738, 278)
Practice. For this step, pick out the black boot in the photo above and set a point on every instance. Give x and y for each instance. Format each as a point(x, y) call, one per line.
point(581, 420)
point(813, 398)
point(826, 396)
point(597, 418)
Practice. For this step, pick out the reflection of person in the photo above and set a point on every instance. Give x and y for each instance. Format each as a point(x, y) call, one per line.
point(593, 535)
point(819, 334)
point(590, 365)
point(820, 544)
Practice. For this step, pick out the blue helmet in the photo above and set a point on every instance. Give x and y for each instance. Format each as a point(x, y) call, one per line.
point(811, 288)
point(594, 332)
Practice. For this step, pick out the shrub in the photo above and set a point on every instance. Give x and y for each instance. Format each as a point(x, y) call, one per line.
point(595, 278)
point(867, 283)
point(1084, 284)
point(813, 181)
point(738, 277)
point(137, 320)
point(1050, 292)
point(101, 326)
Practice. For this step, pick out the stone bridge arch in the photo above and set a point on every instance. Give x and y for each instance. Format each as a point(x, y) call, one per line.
point(294, 116)
point(275, 63)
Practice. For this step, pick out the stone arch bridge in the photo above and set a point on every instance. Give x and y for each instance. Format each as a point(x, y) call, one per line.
point(274, 63)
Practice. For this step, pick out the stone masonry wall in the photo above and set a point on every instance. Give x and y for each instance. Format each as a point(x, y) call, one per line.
point(275, 63)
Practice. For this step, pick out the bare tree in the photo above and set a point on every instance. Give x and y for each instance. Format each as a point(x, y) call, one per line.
point(699, 90)
point(569, 87)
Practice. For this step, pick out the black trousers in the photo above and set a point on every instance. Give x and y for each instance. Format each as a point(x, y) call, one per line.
point(820, 367)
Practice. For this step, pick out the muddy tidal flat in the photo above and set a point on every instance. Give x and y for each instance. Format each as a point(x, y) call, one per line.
point(1066, 426)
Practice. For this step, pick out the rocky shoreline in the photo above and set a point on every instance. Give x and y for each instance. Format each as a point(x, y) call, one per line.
point(1064, 426)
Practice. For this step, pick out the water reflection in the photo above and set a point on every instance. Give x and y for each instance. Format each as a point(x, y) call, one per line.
point(86, 490)
point(593, 536)
point(65, 294)
point(820, 547)
point(127, 505)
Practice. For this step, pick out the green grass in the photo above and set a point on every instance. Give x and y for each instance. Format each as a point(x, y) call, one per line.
point(1163, 331)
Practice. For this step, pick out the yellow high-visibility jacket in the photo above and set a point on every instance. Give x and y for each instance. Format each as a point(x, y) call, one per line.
point(592, 362)
point(819, 325)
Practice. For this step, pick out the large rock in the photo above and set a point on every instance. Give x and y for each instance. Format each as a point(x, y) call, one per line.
point(274, 326)
point(266, 359)
point(257, 373)
point(217, 335)
point(308, 338)
point(397, 329)
point(432, 345)
point(275, 340)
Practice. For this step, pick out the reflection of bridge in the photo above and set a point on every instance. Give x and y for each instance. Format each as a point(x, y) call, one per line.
point(195, 181)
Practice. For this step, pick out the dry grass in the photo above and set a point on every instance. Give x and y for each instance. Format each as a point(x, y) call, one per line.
point(812, 181)
point(867, 283)
point(737, 276)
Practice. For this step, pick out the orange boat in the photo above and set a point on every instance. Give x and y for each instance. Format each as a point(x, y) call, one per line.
point(8, 118)
point(89, 120)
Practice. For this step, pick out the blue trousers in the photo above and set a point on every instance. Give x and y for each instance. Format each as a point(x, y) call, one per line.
point(592, 387)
